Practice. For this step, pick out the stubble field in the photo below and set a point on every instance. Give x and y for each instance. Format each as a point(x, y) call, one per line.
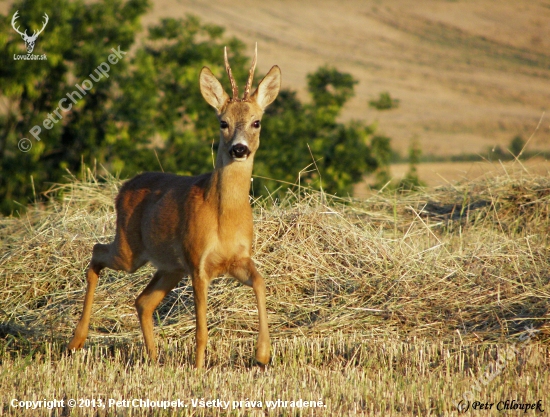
point(391, 305)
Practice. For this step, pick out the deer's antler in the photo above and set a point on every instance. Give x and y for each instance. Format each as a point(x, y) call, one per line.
point(251, 74)
point(35, 35)
point(231, 79)
point(13, 19)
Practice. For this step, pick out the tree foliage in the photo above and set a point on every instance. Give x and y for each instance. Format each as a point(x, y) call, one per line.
point(412, 181)
point(517, 145)
point(296, 136)
point(149, 110)
point(76, 40)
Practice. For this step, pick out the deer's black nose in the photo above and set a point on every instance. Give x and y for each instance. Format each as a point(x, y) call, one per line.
point(239, 151)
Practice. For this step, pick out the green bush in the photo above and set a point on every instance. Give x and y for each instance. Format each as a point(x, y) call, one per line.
point(384, 102)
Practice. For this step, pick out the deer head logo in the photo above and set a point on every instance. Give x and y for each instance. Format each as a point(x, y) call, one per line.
point(29, 40)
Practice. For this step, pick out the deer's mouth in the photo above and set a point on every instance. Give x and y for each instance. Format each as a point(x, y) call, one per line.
point(239, 152)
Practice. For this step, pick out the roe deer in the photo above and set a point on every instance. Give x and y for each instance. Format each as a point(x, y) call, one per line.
point(199, 226)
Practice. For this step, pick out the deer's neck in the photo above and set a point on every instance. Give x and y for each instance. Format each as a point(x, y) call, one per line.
point(230, 189)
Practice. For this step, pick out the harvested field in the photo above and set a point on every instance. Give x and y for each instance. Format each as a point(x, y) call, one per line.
point(391, 305)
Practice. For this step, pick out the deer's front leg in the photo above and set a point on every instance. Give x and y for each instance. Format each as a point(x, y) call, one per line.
point(200, 292)
point(246, 272)
point(161, 284)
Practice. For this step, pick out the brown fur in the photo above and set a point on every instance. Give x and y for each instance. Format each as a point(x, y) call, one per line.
point(199, 226)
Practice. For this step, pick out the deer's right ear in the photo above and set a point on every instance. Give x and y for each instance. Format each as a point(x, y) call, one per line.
point(212, 90)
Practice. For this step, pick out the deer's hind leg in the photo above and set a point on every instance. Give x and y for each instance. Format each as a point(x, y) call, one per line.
point(116, 256)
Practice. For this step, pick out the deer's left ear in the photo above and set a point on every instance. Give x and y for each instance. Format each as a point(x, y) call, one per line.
point(268, 88)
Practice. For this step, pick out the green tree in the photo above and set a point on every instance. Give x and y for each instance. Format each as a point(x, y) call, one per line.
point(78, 37)
point(516, 145)
point(149, 109)
point(382, 152)
point(293, 132)
point(412, 181)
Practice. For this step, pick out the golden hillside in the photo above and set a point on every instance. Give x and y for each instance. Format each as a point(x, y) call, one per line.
point(470, 74)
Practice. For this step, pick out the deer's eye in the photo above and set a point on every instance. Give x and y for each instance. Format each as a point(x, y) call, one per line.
point(256, 124)
point(223, 124)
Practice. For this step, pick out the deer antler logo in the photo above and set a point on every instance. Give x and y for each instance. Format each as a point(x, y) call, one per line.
point(29, 40)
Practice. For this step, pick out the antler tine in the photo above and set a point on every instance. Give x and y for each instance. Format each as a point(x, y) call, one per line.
point(231, 79)
point(251, 74)
point(13, 19)
point(46, 20)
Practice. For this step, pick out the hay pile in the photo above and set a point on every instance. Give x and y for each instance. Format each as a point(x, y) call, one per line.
point(468, 262)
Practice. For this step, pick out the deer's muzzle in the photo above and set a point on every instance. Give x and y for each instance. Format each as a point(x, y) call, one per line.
point(239, 152)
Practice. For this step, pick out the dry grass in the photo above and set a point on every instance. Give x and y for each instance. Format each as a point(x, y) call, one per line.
point(436, 174)
point(393, 305)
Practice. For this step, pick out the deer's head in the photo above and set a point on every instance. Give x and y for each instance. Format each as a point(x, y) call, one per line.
point(240, 119)
point(29, 40)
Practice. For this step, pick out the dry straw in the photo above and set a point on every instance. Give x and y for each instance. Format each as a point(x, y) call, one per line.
point(395, 305)
point(469, 261)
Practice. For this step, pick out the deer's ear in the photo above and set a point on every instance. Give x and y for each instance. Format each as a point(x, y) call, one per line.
point(212, 90)
point(268, 88)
